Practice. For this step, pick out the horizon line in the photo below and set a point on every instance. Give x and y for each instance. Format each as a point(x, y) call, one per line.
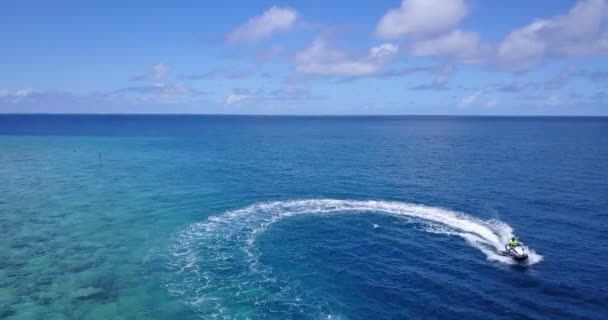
point(301, 115)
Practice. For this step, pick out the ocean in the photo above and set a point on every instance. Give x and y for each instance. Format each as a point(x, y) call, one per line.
point(272, 217)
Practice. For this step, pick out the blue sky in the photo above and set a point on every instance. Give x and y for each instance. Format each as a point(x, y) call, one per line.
point(517, 57)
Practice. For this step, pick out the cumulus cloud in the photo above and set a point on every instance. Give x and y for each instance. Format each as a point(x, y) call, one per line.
point(432, 27)
point(443, 73)
point(577, 33)
point(160, 93)
point(17, 95)
point(400, 72)
point(292, 93)
point(24, 95)
point(553, 101)
point(319, 59)
point(156, 88)
point(159, 71)
point(440, 81)
point(161, 89)
point(492, 103)
point(156, 73)
point(53, 101)
point(24, 92)
point(383, 51)
point(152, 93)
point(560, 79)
point(275, 19)
point(289, 93)
point(236, 98)
point(227, 73)
point(456, 43)
point(470, 99)
point(421, 17)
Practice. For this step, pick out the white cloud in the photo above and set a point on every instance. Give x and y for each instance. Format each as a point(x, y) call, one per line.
point(492, 103)
point(576, 33)
point(456, 43)
point(442, 74)
point(522, 48)
point(386, 50)
point(275, 19)
point(291, 93)
point(159, 92)
point(236, 98)
point(159, 71)
point(318, 59)
point(24, 92)
point(470, 99)
point(53, 101)
point(421, 17)
point(432, 26)
point(560, 79)
point(156, 73)
point(270, 53)
point(160, 88)
point(553, 101)
point(19, 94)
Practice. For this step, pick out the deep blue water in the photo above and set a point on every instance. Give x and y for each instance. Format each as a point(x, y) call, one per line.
point(213, 217)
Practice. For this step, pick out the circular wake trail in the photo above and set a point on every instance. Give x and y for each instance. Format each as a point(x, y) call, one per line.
point(217, 261)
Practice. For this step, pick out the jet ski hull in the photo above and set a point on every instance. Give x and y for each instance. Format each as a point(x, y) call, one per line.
point(520, 258)
point(517, 256)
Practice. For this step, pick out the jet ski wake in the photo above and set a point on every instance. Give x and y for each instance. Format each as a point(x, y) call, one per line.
point(204, 252)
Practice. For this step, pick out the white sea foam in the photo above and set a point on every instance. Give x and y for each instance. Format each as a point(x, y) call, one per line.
point(226, 244)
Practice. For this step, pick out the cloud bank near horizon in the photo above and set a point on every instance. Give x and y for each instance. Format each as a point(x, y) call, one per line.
point(420, 56)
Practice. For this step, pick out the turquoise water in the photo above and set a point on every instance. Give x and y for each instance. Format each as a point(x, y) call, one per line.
point(185, 217)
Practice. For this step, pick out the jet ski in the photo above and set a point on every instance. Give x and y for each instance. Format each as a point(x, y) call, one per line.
point(517, 253)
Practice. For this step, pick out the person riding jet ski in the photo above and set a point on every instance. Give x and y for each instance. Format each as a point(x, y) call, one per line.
point(513, 243)
point(515, 251)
